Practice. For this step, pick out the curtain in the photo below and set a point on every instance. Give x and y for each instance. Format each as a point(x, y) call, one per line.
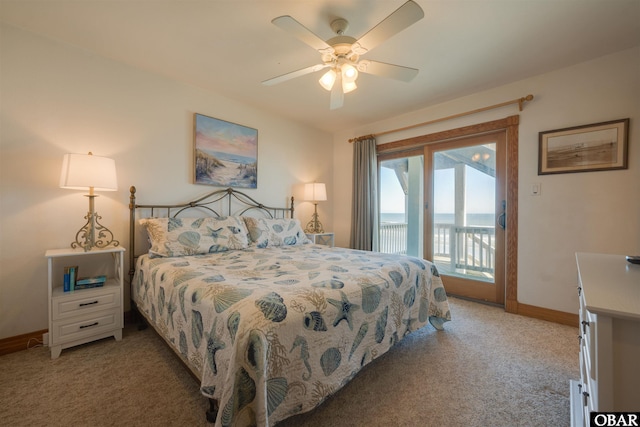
point(364, 212)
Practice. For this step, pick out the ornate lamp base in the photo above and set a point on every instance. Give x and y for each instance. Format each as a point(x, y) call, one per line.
point(314, 226)
point(87, 233)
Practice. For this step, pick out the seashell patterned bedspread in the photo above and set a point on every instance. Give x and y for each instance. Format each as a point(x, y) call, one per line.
point(273, 332)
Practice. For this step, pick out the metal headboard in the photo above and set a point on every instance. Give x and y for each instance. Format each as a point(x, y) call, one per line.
point(218, 203)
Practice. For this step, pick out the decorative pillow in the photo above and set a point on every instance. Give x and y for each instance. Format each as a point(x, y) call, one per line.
point(173, 237)
point(275, 232)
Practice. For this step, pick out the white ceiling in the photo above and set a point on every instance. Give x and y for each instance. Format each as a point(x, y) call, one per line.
point(230, 46)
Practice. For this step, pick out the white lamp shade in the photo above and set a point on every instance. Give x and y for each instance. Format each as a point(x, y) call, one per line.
point(328, 79)
point(83, 171)
point(315, 192)
point(348, 86)
point(349, 73)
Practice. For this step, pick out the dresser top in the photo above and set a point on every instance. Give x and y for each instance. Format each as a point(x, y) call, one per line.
point(610, 284)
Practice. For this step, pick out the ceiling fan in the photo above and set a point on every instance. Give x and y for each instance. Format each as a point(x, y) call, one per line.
point(341, 54)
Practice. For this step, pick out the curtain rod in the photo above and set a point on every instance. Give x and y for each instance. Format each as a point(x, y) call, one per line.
point(518, 101)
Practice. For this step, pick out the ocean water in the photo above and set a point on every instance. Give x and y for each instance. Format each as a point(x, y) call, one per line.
point(480, 219)
point(235, 158)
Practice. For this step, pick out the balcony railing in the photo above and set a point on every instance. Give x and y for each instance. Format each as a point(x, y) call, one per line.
point(393, 238)
point(473, 248)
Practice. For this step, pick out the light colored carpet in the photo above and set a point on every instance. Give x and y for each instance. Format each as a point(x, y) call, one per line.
point(488, 368)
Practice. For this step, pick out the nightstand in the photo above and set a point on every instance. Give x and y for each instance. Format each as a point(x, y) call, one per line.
point(85, 315)
point(321, 238)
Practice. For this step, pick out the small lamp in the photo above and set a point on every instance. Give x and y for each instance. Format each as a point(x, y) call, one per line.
point(93, 173)
point(315, 192)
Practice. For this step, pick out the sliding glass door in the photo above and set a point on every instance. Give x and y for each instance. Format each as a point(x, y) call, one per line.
point(445, 202)
point(466, 218)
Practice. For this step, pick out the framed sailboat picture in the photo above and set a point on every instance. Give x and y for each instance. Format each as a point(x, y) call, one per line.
point(595, 147)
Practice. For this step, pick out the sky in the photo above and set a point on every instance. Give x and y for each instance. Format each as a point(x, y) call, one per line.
point(216, 135)
point(480, 192)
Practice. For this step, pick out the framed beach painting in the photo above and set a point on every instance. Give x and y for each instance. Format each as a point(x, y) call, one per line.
point(226, 154)
point(595, 147)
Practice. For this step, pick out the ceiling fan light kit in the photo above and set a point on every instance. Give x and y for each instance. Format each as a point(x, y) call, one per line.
point(341, 54)
point(347, 72)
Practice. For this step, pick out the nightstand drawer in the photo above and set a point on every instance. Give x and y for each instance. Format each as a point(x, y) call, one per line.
point(85, 301)
point(76, 329)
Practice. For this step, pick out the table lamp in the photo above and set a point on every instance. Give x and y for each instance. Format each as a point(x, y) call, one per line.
point(315, 192)
point(93, 173)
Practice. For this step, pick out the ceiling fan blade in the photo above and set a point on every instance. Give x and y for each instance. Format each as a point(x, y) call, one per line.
point(391, 71)
point(406, 15)
point(337, 95)
point(294, 74)
point(290, 25)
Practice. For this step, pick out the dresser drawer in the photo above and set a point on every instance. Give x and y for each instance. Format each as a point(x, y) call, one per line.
point(586, 382)
point(85, 301)
point(590, 344)
point(75, 329)
point(586, 399)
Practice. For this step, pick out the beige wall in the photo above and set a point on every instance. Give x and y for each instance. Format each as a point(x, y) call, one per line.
point(58, 99)
point(580, 212)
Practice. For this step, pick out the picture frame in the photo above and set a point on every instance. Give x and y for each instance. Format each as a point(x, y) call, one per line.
point(594, 147)
point(225, 153)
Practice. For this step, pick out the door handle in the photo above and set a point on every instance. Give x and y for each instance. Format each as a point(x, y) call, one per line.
point(502, 219)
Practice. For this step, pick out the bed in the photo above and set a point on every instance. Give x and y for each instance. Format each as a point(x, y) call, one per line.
point(269, 323)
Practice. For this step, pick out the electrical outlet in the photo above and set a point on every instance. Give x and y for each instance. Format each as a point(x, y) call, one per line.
point(45, 339)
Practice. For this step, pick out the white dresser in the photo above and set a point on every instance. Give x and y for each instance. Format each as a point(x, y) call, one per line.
point(609, 293)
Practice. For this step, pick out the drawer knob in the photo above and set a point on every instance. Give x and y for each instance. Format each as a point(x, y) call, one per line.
point(84, 304)
point(584, 326)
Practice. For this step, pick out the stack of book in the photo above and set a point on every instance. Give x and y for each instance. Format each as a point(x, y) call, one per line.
point(72, 283)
